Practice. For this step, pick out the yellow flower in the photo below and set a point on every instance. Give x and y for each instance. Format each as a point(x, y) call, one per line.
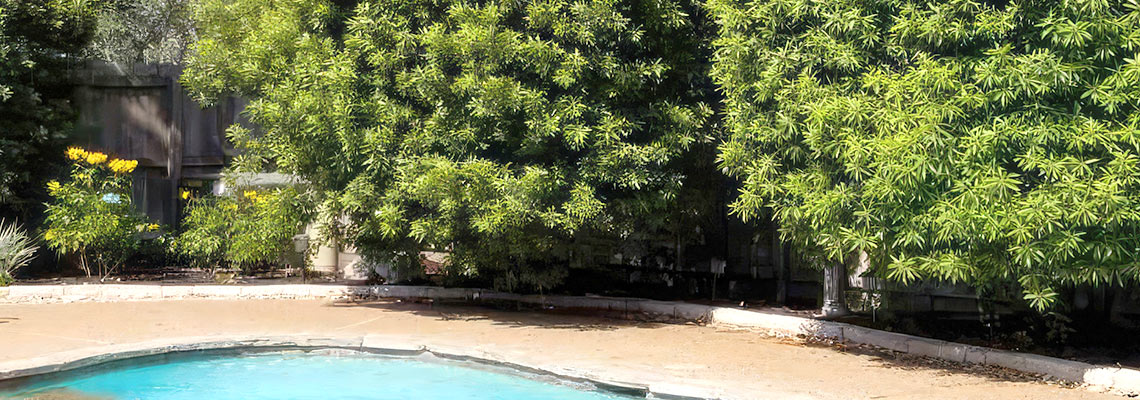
point(53, 186)
point(255, 197)
point(122, 166)
point(185, 194)
point(152, 227)
point(96, 158)
point(76, 153)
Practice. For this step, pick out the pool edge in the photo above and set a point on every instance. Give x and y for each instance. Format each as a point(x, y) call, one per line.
point(376, 344)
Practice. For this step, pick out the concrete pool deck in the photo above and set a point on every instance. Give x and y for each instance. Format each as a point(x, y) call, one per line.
point(670, 358)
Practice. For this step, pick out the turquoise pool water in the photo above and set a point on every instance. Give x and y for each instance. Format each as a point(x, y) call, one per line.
point(309, 376)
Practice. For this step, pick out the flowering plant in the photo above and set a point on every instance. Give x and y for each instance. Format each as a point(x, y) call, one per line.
point(91, 214)
point(243, 230)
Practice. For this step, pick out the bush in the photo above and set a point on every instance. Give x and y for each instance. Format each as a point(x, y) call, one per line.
point(254, 228)
point(991, 143)
point(16, 251)
point(206, 230)
point(507, 134)
point(91, 214)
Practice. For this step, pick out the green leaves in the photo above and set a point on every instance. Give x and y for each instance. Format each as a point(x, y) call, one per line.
point(502, 132)
point(91, 215)
point(243, 230)
point(959, 140)
point(38, 42)
point(17, 249)
point(142, 31)
point(954, 140)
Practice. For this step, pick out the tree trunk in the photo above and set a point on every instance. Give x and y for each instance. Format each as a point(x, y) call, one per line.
point(83, 262)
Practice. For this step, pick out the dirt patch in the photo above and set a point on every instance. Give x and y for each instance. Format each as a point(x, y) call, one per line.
point(734, 363)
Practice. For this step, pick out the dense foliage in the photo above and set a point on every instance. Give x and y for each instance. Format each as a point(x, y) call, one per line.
point(506, 133)
point(243, 231)
point(38, 41)
point(91, 215)
point(142, 31)
point(961, 140)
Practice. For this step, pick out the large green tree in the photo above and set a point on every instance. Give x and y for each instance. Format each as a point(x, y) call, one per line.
point(508, 133)
point(38, 43)
point(989, 142)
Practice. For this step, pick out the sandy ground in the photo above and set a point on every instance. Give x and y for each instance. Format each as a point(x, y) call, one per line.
point(747, 364)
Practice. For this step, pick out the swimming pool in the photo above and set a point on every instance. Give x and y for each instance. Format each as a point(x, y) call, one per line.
point(305, 375)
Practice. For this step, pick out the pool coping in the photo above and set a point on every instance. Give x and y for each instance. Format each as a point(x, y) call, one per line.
point(375, 344)
point(1117, 379)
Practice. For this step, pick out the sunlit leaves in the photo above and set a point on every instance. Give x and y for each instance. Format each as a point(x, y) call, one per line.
point(240, 230)
point(501, 132)
point(955, 140)
point(142, 31)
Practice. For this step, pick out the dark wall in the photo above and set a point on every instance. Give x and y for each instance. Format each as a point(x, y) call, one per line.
point(143, 113)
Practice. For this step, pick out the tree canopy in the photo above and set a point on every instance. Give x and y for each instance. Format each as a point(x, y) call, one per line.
point(142, 31)
point(987, 142)
point(502, 132)
point(959, 140)
point(38, 41)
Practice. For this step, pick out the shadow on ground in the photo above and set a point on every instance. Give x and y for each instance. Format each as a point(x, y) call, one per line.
point(512, 315)
point(515, 316)
point(885, 358)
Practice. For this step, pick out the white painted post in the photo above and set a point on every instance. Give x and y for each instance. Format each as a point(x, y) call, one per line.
point(325, 259)
point(834, 287)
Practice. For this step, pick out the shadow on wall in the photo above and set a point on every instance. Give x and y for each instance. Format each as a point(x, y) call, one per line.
point(143, 113)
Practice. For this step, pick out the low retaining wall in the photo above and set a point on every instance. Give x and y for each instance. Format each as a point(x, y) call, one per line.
point(1122, 380)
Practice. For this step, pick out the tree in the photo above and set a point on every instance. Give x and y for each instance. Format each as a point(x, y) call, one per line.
point(38, 43)
point(986, 142)
point(503, 132)
point(142, 31)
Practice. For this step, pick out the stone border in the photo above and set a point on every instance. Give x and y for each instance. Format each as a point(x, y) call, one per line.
point(90, 357)
point(1122, 380)
point(119, 292)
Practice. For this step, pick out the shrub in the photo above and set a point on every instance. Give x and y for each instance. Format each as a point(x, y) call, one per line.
point(992, 143)
point(206, 230)
point(507, 134)
point(245, 230)
point(16, 250)
point(91, 214)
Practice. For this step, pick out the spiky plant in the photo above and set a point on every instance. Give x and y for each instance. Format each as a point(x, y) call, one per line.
point(16, 250)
